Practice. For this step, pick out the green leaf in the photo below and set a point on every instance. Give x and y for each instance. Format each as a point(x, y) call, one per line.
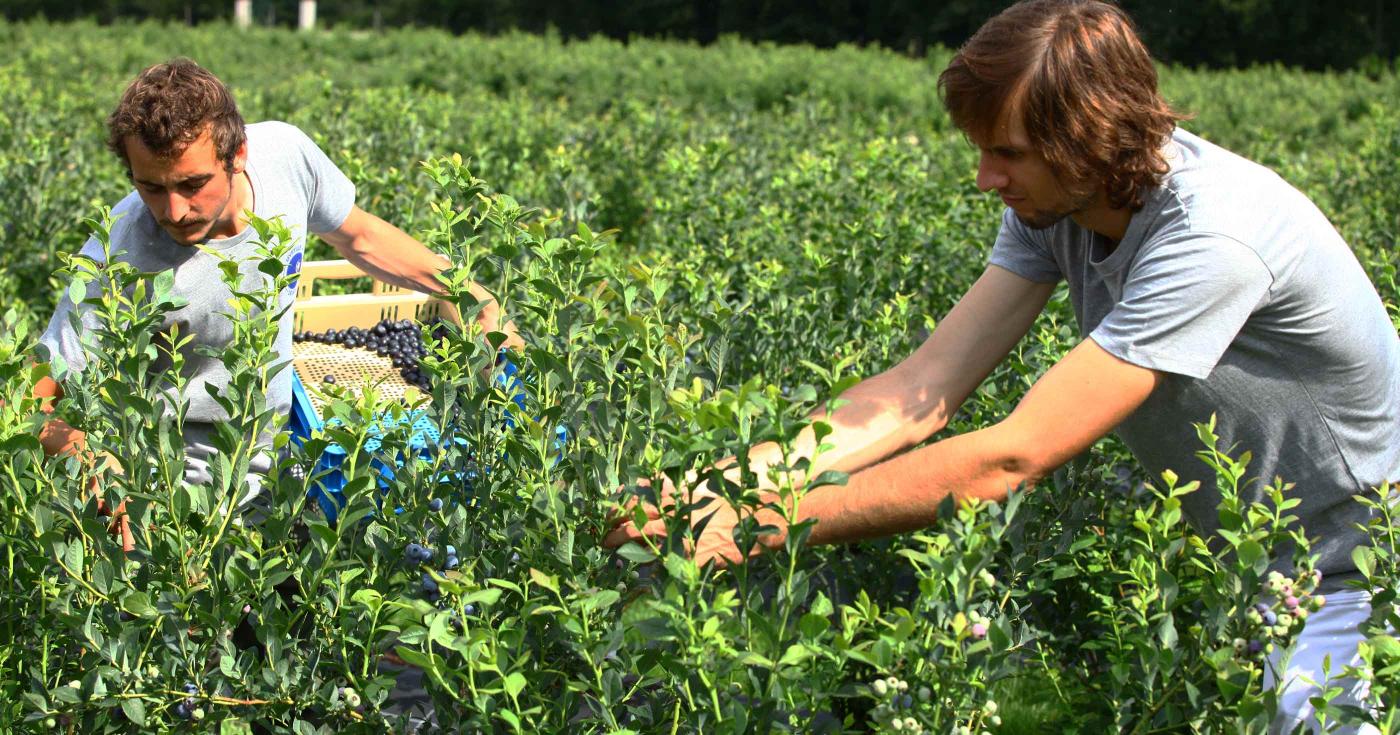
point(235, 726)
point(77, 291)
point(635, 552)
point(1252, 554)
point(1364, 557)
point(138, 604)
point(135, 710)
point(514, 684)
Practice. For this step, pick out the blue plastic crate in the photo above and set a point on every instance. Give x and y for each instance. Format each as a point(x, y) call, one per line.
point(328, 489)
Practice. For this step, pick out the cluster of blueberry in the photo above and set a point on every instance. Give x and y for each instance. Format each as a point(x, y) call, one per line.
point(188, 708)
point(1290, 606)
point(895, 710)
point(400, 340)
point(346, 698)
point(418, 554)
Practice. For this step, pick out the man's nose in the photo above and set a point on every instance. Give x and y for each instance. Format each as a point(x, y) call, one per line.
point(989, 174)
point(176, 207)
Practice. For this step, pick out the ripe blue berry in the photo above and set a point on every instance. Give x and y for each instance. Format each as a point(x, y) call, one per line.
point(435, 504)
point(430, 585)
point(414, 552)
point(451, 550)
point(515, 557)
point(470, 609)
point(190, 688)
point(1270, 617)
point(182, 711)
point(452, 563)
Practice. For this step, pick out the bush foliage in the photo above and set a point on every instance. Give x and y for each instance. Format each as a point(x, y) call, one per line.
point(700, 246)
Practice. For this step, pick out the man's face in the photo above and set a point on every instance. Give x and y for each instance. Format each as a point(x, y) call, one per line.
point(1010, 165)
point(187, 194)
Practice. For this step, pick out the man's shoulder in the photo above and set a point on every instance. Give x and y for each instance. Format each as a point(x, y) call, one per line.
point(275, 138)
point(131, 232)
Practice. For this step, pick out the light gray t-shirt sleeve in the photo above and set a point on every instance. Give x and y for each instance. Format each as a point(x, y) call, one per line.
point(1021, 251)
point(330, 195)
point(1185, 300)
point(60, 338)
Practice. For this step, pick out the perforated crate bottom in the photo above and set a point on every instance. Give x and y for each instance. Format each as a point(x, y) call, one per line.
point(354, 370)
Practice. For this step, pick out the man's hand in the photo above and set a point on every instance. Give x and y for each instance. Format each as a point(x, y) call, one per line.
point(392, 256)
point(121, 523)
point(713, 517)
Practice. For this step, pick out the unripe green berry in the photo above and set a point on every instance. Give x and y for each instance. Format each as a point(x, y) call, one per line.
point(198, 713)
point(880, 687)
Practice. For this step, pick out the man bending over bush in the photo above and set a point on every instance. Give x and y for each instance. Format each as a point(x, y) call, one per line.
point(198, 171)
point(1203, 283)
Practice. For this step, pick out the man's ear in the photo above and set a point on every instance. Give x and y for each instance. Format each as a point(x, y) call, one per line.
point(240, 158)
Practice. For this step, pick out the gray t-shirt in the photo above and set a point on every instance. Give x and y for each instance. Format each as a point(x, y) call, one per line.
point(1237, 287)
point(292, 178)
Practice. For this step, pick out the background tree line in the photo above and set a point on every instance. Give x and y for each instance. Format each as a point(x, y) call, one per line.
point(1306, 33)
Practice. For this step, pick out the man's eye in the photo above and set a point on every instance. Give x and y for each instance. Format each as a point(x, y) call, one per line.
point(192, 188)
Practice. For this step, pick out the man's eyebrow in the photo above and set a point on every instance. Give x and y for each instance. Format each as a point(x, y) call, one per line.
point(199, 179)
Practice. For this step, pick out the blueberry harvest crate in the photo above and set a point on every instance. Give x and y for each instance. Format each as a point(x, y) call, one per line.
point(352, 368)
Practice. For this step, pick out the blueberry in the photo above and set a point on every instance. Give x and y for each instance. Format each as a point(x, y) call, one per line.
point(1261, 607)
point(414, 552)
point(451, 563)
point(182, 711)
point(470, 609)
point(515, 557)
point(191, 688)
point(435, 504)
point(427, 553)
point(429, 584)
point(451, 550)
point(1270, 617)
point(329, 379)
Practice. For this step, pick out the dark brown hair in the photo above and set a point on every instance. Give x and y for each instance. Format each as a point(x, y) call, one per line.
point(1084, 86)
point(169, 106)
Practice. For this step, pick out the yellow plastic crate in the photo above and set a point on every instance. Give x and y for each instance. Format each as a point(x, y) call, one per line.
point(353, 368)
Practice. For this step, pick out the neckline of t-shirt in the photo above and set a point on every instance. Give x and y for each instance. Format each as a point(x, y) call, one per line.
point(1137, 224)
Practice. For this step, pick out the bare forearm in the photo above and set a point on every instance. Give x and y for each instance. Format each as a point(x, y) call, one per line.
point(903, 494)
point(392, 256)
point(58, 438)
point(873, 424)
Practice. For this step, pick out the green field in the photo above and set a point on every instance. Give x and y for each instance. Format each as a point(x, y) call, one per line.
point(701, 245)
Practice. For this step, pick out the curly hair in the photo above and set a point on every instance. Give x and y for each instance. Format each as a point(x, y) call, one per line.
point(169, 106)
point(1084, 86)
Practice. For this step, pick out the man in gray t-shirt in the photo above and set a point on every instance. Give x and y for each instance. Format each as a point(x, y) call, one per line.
point(1203, 283)
point(198, 169)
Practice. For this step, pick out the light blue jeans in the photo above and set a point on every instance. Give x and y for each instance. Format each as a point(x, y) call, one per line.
point(1330, 634)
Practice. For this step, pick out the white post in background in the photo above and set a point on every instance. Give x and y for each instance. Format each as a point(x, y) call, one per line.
point(243, 13)
point(306, 15)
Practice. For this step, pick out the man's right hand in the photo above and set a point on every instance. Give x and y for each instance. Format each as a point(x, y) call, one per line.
point(121, 523)
point(59, 439)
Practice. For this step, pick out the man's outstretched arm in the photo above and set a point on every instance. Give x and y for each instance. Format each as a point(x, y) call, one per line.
point(1073, 405)
point(393, 256)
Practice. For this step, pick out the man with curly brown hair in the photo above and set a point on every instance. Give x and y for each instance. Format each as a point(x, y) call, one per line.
point(1204, 285)
point(198, 171)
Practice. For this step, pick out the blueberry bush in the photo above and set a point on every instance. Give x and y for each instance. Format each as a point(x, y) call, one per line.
point(700, 247)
